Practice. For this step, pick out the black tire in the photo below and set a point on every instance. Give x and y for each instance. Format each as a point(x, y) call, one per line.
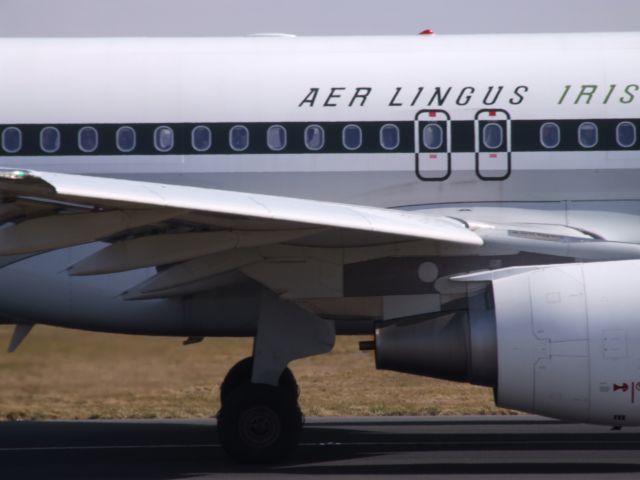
point(259, 424)
point(240, 374)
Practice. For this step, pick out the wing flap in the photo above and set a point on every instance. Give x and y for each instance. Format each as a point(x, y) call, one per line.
point(163, 249)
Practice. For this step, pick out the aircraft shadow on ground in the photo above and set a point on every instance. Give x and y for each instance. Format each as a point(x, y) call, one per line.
point(168, 450)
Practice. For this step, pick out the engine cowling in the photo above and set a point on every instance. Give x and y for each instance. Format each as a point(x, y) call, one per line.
point(558, 340)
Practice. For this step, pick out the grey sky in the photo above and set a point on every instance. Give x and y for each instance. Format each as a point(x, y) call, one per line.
point(307, 17)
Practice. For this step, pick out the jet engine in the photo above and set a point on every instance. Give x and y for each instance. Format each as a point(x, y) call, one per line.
point(555, 340)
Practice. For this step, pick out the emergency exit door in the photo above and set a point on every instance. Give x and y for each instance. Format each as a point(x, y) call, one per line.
point(432, 138)
point(492, 144)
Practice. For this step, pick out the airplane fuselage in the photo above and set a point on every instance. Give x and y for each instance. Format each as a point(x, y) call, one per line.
point(461, 83)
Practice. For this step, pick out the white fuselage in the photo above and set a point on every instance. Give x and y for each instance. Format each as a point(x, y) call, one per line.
point(336, 81)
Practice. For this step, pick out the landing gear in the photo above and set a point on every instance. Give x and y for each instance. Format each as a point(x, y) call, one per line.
point(259, 423)
point(259, 419)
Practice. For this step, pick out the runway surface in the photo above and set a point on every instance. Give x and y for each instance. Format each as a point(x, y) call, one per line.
point(383, 447)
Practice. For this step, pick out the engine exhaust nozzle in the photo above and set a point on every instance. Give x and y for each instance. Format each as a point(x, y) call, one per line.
point(450, 346)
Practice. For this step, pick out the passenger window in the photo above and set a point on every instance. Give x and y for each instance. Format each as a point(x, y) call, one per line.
point(587, 134)
point(239, 138)
point(11, 139)
point(276, 137)
point(126, 139)
point(550, 135)
point(87, 139)
point(163, 138)
point(492, 135)
point(389, 136)
point(626, 134)
point(50, 139)
point(352, 137)
point(314, 137)
point(432, 136)
point(201, 138)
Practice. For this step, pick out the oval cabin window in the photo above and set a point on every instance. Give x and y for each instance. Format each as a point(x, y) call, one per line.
point(11, 139)
point(588, 134)
point(314, 137)
point(163, 138)
point(550, 135)
point(389, 136)
point(87, 139)
point(125, 139)
point(239, 138)
point(352, 137)
point(432, 136)
point(492, 135)
point(626, 134)
point(201, 138)
point(276, 138)
point(50, 139)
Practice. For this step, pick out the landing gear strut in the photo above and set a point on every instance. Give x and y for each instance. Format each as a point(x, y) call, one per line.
point(258, 423)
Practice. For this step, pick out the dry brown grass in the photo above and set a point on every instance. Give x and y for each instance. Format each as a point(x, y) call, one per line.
point(66, 374)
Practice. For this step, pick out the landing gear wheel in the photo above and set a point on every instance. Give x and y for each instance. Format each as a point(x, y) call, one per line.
point(240, 374)
point(259, 423)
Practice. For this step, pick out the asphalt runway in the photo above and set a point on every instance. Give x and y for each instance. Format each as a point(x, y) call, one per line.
point(383, 447)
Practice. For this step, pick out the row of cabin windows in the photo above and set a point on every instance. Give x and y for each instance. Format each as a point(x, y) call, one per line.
point(314, 137)
point(493, 135)
point(588, 134)
point(201, 138)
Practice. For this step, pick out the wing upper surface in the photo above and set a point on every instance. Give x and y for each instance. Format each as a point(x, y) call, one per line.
point(127, 195)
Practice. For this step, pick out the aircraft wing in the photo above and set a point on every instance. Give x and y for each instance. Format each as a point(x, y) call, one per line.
point(204, 235)
point(77, 209)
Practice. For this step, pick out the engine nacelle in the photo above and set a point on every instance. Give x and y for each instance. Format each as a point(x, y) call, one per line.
point(566, 344)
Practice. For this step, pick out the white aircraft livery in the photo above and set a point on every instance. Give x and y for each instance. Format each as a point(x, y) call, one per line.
point(472, 202)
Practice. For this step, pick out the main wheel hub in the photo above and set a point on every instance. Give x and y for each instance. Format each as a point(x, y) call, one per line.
point(259, 426)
